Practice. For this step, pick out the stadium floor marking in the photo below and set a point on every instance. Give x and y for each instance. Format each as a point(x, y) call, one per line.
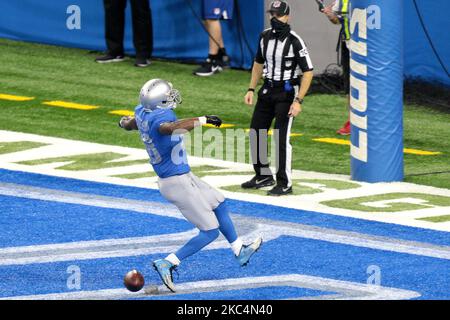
point(345, 290)
point(270, 132)
point(223, 126)
point(69, 105)
point(270, 229)
point(10, 97)
point(405, 150)
point(124, 113)
point(72, 105)
point(421, 152)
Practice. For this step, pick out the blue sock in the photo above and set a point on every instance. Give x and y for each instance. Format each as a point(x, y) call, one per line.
point(226, 226)
point(197, 243)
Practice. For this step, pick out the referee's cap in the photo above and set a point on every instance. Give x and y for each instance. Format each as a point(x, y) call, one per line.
point(280, 8)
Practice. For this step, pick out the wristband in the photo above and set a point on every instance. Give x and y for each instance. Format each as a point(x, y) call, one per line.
point(202, 120)
point(251, 89)
point(298, 100)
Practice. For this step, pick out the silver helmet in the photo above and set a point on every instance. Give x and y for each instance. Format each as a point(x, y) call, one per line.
point(159, 94)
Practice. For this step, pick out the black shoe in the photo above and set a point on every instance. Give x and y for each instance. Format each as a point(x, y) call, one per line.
point(208, 68)
point(258, 182)
point(107, 58)
point(142, 63)
point(224, 59)
point(279, 190)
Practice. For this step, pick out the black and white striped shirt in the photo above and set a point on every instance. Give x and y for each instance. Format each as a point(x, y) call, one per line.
point(283, 60)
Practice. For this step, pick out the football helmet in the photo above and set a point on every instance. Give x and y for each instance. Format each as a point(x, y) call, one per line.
point(159, 94)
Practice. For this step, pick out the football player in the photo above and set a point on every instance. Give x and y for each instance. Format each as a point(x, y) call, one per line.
point(201, 204)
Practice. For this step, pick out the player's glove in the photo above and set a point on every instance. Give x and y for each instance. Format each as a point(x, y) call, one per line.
point(121, 123)
point(214, 120)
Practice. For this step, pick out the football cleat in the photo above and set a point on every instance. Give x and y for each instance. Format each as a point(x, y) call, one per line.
point(164, 269)
point(208, 68)
point(279, 190)
point(345, 130)
point(258, 182)
point(247, 251)
point(108, 58)
point(142, 63)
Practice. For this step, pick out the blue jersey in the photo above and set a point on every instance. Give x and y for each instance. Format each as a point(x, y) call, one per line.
point(167, 153)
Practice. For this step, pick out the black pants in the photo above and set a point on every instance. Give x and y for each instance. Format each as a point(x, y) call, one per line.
point(115, 27)
point(272, 103)
point(345, 62)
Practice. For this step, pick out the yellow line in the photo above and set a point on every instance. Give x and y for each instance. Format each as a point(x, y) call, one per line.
point(125, 113)
point(14, 98)
point(333, 141)
point(270, 132)
point(406, 150)
point(224, 125)
point(421, 152)
point(69, 105)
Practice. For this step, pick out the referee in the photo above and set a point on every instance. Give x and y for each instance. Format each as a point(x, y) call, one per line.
point(282, 56)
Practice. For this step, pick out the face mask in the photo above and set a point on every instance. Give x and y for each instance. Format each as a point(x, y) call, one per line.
point(281, 29)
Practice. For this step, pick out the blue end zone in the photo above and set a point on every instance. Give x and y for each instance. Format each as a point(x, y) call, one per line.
point(33, 222)
point(286, 255)
point(235, 206)
point(263, 293)
point(30, 222)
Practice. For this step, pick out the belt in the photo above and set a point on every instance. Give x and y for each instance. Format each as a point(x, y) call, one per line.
point(279, 84)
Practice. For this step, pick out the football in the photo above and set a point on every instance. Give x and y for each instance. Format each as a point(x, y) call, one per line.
point(134, 281)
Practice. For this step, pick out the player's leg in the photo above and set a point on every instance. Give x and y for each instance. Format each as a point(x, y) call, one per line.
point(283, 125)
point(213, 12)
point(142, 31)
point(183, 193)
point(215, 40)
point(114, 31)
point(165, 266)
point(225, 10)
point(213, 63)
point(262, 118)
point(218, 204)
point(242, 252)
point(345, 62)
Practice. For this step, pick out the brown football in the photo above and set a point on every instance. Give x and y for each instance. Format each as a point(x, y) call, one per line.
point(134, 281)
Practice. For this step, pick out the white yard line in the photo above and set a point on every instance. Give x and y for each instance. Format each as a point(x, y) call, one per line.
point(62, 147)
point(339, 289)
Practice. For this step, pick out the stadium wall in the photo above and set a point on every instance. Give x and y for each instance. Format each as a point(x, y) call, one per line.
point(179, 35)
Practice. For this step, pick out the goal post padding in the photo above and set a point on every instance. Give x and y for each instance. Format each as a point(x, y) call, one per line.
point(376, 94)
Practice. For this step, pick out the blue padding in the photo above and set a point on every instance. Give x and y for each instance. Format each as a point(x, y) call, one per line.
point(377, 125)
point(420, 59)
point(177, 33)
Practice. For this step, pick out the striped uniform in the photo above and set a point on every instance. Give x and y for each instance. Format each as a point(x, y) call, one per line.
point(284, 61)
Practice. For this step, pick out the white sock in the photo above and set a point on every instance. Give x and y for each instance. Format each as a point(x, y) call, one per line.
point(236, 246)
point(173, 259)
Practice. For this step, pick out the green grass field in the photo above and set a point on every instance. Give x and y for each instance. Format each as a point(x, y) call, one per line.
point(56, 73)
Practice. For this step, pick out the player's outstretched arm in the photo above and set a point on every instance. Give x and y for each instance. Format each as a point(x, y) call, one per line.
point(188, 124)
point(128, 123)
